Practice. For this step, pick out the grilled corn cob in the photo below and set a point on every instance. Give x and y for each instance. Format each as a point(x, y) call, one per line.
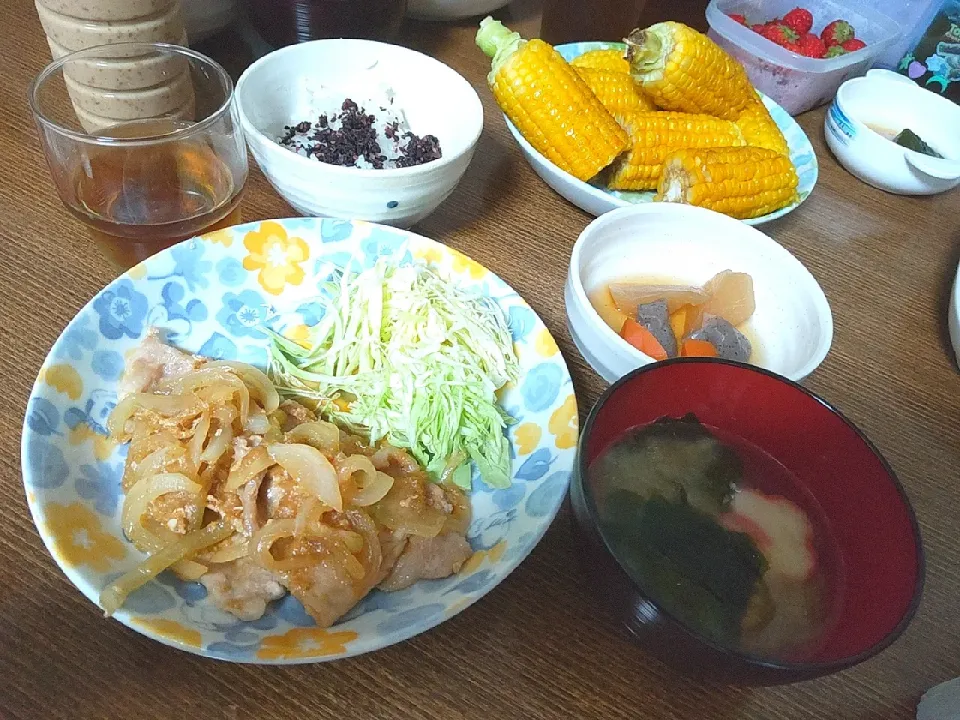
point(612, 60)
point(655, 135)
point(616, 91)
point(684, 70)
point(741, 182)
point(759, 129)
point(550, 104)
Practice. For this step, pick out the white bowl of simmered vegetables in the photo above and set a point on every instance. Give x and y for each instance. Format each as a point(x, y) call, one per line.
point(741, 528)
point(653, 282)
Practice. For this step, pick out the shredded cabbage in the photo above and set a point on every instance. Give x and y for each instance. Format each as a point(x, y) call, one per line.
point(401, 354)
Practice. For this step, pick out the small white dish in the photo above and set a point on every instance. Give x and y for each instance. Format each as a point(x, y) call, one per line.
point(954, 318)
point(890, 102)
point(284, 88)
point(791, 330)
point(451, 9)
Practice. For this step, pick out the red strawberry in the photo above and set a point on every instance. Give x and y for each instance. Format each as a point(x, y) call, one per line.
point(739, 18)
point(780, 34)
point(853, 45)
point(837, 33)
point(810, 45)
point(759, 28)
point(834, 51)
point(800, 20)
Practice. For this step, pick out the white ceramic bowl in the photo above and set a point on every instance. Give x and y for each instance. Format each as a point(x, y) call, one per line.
point(887, 100)
point(451, 9)
point(282, 89)
point(791, 330)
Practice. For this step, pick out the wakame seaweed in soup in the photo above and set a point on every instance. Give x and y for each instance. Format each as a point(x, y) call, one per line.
point(702, 526)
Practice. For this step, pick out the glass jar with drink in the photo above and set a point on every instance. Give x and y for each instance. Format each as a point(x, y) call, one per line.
point(143, 144)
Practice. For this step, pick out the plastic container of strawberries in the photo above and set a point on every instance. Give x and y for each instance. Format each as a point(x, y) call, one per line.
point(795, 82)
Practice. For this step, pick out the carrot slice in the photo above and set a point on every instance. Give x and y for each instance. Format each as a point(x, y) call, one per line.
point(697, 348)
point(642, 339)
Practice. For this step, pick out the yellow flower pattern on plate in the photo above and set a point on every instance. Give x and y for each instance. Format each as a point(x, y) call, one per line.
point(545, 344)
point(565, 424)
point(527, 437)
point(474, 562)
point(277, 256)
point(102, 445)
point(224, 237)
point(65, 379)
point(463, 264)
point(300, 334)
point(304, 643)
point(169, 630)
point(431, 256)
point(79, 539)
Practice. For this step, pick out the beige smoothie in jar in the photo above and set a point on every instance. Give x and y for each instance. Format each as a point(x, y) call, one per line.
point(120, 86)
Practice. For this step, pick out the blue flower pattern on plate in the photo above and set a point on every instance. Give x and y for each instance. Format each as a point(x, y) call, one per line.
point(122, 311)
point(243, 314)
point(189, 265)
point(107, 364)
point(230, 272)
point(100, 484)
point(77, 339)
point(201, 297)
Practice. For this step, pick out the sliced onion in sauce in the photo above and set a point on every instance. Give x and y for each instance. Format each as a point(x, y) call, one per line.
point(252, 464)
point(264, 391)
point(167, 405)
point(200, 432)
point(311, 470)
point(257, 422)
point(324, 436)
point(115, 594)
point(145, 492)
point(374, 491)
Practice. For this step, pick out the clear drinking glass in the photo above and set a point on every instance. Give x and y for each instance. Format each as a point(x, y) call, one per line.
point(143, 143)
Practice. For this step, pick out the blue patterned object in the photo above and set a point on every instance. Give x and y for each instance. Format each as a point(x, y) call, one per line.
point(596, 199)
point(211, 295)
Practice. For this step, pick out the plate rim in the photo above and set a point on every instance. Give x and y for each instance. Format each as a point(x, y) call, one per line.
point(88, 590)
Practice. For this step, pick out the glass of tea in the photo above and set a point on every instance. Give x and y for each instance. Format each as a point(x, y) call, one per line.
point(143, 143)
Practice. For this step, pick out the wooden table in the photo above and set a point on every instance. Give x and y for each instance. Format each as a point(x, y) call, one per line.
point(532, 648)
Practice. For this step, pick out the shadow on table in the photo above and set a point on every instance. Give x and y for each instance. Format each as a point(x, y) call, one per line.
point(490, 182)
point(945, 299)
point(431, 36)
point(583, 664)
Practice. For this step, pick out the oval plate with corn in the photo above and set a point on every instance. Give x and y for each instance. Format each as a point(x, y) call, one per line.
point(716, 144)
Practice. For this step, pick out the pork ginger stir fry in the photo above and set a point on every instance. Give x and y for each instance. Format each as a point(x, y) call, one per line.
point(255, 498)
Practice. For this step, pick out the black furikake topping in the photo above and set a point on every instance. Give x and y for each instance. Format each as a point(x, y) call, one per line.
point(355, 138)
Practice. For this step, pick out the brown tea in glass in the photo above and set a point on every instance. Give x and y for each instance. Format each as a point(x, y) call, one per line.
point(149, 169)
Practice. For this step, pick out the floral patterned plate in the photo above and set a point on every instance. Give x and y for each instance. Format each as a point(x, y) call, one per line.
point(212, 295)
point(594, 198)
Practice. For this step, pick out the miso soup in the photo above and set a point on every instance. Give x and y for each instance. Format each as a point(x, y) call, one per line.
point(721, 536)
